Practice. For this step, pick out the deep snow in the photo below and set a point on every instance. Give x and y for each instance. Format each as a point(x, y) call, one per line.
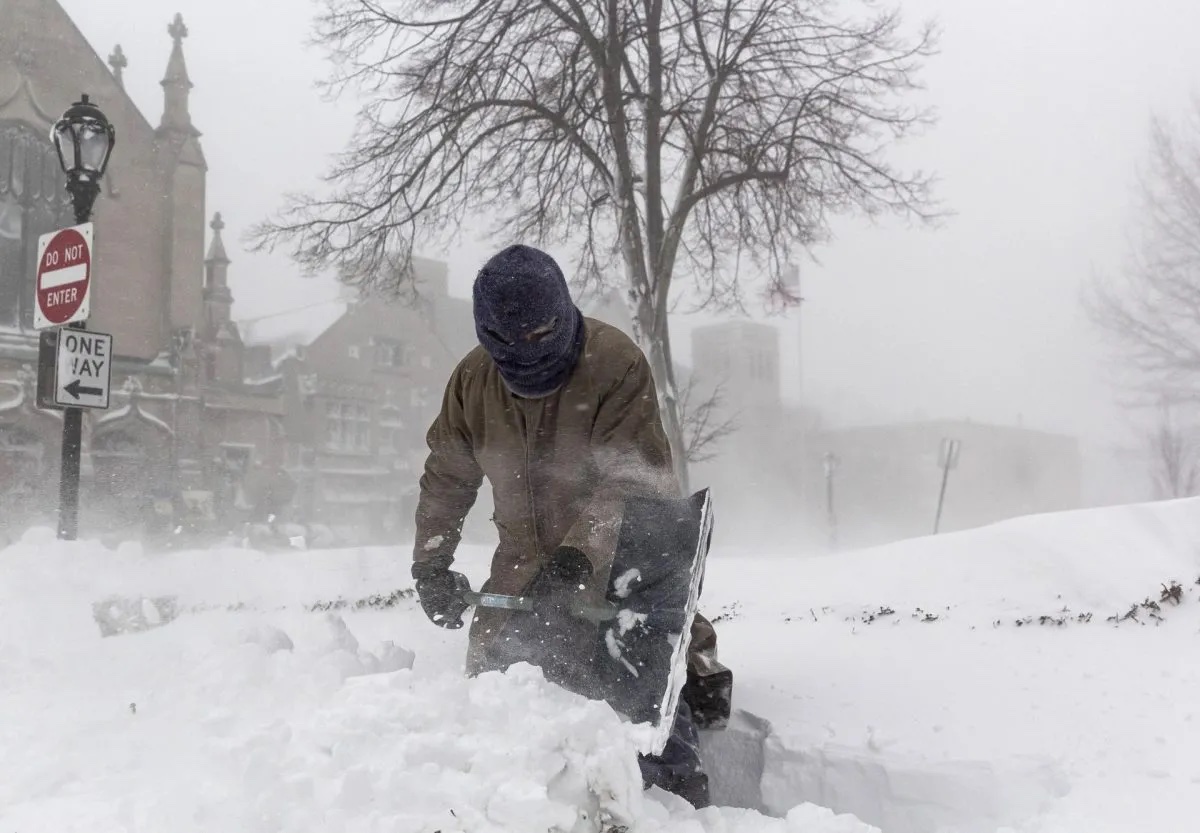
point(272, 717)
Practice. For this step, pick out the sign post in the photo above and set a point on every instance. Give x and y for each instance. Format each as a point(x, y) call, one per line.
point(63, 299)
point(947, 459)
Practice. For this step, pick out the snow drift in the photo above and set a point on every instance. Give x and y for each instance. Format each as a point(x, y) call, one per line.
point(279, 720)
point(1034, 677)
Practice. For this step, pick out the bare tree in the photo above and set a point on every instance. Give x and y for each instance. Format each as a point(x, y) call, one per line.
point(1175, 455)
point(705, 422)
point(662, 138)
point(1152, 307)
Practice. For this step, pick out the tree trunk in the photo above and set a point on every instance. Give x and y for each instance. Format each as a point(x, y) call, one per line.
point(668, 400)
point(656, 345)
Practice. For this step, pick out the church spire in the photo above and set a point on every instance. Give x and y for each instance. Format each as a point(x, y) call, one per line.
point(218, 300)
point(176, 83)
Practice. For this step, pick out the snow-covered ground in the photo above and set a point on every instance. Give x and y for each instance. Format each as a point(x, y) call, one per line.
point(253, 712)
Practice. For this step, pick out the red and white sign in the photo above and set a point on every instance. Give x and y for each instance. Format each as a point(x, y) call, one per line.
point(64, 277)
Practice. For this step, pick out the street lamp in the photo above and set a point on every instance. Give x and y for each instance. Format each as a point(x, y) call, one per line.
point(84, 139)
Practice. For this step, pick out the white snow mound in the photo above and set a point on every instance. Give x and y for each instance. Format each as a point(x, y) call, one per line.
point(279, 719)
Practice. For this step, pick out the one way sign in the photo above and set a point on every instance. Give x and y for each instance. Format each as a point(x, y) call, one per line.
point(83, 368)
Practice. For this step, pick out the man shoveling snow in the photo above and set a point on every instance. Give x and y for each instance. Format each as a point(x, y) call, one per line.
point(560, 413)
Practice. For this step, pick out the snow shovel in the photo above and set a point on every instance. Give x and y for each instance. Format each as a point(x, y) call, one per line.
point(639, 664)
point(597, 614)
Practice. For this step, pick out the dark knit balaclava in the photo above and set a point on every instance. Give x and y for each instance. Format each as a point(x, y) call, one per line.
point(526, 320)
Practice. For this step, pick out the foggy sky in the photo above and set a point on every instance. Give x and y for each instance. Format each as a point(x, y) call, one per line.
point(1044, 108)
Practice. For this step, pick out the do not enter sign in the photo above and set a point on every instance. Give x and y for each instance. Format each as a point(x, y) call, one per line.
point(64, 277)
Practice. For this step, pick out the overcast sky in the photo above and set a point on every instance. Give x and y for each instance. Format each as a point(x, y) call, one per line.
point(1043, 108)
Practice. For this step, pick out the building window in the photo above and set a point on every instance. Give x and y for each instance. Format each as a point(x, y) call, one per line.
point(347, 426)
point(392, 353)
point(354, 351)
point(760, 366)
point(391, 428)
point(419, 398)
point(33, 201)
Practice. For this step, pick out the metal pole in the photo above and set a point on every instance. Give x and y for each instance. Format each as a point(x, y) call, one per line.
point(82, 194)
point(830, 467)
point(937, 521)
point(68, 484)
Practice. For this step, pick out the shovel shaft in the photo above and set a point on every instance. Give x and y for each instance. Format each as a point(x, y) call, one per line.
point(527, 604)
point(498, 600)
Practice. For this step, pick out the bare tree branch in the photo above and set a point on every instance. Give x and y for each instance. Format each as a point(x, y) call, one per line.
point(686, 146)
point(705, 423)
point(1151, 309)
point(1175, 455)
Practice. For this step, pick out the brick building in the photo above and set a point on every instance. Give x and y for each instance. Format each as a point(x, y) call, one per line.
point(186, 429)
point(362, 380)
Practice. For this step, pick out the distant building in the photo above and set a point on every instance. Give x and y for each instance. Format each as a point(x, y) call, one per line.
point(361, 388)
point(743, 358)
point(187, 432)
point(769, 477)
point(755, 473)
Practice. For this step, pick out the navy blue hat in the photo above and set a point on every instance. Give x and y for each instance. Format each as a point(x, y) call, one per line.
point(526, 320)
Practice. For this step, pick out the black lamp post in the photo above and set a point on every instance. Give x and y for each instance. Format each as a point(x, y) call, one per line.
point(84, 139)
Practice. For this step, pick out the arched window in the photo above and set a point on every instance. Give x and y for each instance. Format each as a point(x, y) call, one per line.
point(33, 201)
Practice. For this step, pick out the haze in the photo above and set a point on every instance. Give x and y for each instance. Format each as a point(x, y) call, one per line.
point(1044, 108)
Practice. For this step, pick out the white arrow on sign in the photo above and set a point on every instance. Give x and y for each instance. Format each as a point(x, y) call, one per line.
point(83, 369)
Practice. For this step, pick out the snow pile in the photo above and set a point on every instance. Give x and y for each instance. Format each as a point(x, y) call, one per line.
point(1034, 677)
point(983, 681)
point(280, 720)
point(1089, 560)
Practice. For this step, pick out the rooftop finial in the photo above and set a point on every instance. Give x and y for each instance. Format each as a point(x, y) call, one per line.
point(178, 29)
point(216, 250)
point(118, 62)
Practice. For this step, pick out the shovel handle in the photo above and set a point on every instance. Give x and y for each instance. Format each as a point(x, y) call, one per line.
point(527, 604)
point(497, 600)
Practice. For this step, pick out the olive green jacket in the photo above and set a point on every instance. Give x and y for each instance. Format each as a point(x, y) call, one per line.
point(560, 466)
